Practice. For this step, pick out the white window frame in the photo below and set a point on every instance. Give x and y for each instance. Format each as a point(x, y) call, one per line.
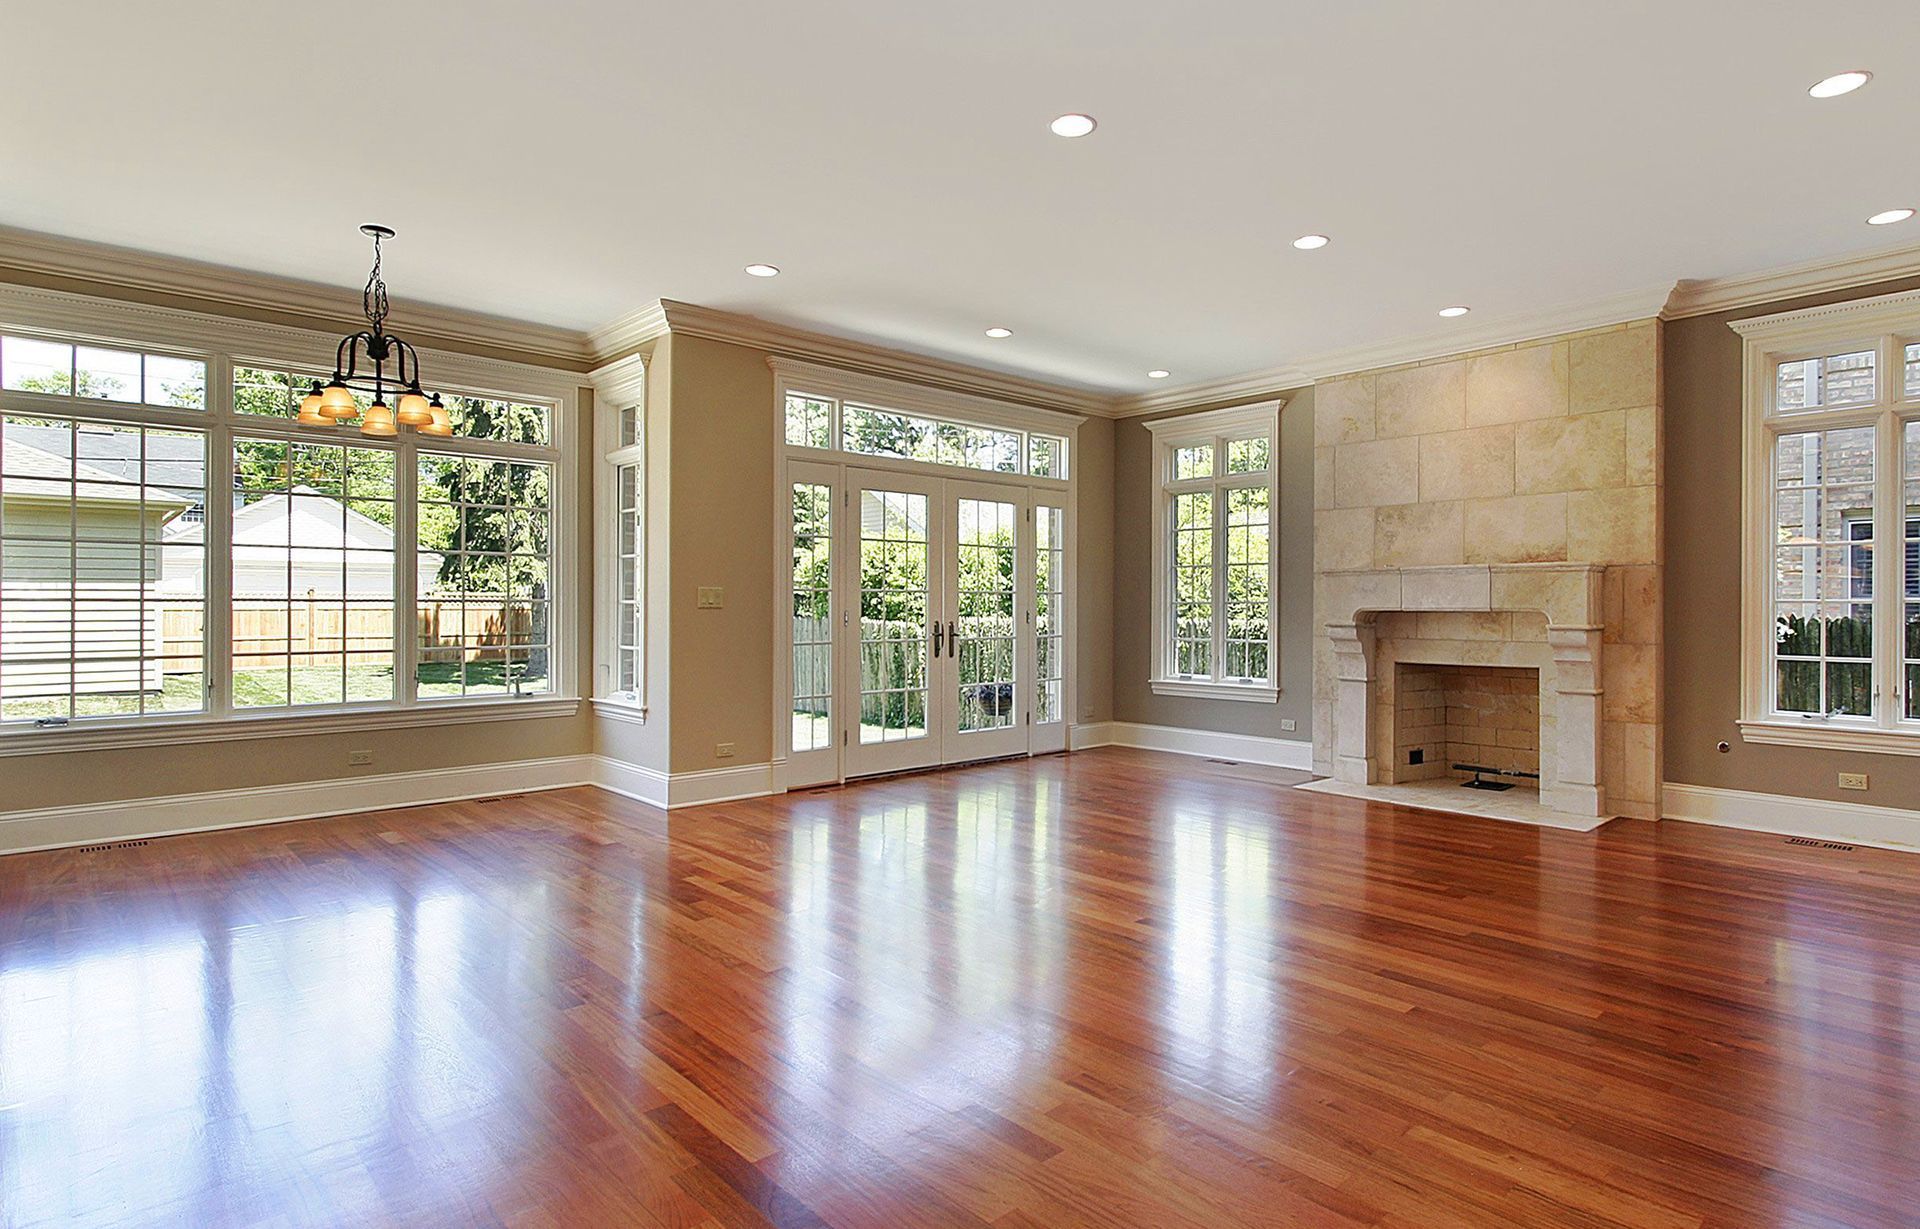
point(618, 387)
point(1216, 428)
point(1886, 325)
point(222, 344)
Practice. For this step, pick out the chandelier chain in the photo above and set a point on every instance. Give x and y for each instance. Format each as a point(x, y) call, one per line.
point(373, 300)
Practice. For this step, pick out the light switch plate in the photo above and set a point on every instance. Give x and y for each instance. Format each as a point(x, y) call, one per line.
point(710, 597)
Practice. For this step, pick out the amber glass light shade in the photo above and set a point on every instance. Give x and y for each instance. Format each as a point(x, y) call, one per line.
point(442, 423)
point(412, 410)
point(336, 402)
point(379, 420)
point(310, 415)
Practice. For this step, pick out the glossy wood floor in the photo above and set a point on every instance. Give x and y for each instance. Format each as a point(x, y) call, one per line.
point(1108, 989)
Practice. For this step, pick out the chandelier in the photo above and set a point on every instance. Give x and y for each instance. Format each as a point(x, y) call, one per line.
point(361, 363)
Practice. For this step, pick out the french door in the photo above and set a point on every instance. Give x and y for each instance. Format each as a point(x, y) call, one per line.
point(928, 622)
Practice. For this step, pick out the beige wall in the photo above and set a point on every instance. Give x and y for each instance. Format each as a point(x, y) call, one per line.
point(1133, 495)
point(1703, 420)
point(1542, 452)
point(1093, 470)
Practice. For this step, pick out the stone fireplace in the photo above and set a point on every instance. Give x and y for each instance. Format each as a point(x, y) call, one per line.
point(1493, 511)
point(1537, 621)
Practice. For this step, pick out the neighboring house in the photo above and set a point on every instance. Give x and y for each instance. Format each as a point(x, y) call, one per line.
point(296, 545)
point(78, 556)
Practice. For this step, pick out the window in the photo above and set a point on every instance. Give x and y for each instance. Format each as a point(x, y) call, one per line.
point(1049, 603)
point(620, 575)
point(174, 549)
point(1214, 553)
point(629, 611)
point(812, 616)
point(1833, 595)
point(873, 431)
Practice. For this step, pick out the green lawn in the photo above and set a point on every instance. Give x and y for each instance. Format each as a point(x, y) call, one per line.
point(278, 687)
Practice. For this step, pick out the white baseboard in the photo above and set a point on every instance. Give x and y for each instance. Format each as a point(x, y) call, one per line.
point(1852, 823)
point(1245, 748)
point(684, 789)
point(101, 822)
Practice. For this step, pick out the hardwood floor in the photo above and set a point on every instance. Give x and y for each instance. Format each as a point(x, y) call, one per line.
point(1116, 988)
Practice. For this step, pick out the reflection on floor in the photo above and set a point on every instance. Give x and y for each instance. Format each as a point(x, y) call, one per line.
point(1112, 988)
point(1521, 804)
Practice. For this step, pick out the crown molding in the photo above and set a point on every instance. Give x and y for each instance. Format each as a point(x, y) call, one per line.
point(1490, 334)
point(690, 320)
point(1851, 316)
point(622, 335)
point(1704, 296)
point(207, 286)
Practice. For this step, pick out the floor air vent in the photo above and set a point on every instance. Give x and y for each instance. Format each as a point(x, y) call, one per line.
point(1212, 760)
point(1810, 843)
point(109, 848)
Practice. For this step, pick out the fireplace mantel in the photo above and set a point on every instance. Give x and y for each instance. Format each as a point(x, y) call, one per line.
point(1569, 595)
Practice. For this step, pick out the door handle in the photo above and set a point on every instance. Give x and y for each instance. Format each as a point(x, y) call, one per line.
point(936, 637)
point(953, 638)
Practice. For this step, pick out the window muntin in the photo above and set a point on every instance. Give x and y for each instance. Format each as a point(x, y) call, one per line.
point(1049, 607)
point(1836, 381)
point(102, 583)
point(483, 571)
point(94, 373)
point(1823, 580)
point(312, 573)
point(874, 431)
point(629, 613)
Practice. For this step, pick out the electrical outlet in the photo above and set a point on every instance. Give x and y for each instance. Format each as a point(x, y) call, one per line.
point(710, 597)
point(723, 751)
point(1853, 780)
point(1289, 725)
point(359, 758)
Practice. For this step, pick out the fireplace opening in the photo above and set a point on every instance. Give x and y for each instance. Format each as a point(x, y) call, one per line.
point(1477, 725)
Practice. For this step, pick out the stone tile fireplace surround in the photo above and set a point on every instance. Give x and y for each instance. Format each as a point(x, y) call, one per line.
point(1552, 616)
point(1499, 507)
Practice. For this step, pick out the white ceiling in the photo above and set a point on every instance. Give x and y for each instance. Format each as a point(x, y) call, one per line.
point(567, 162)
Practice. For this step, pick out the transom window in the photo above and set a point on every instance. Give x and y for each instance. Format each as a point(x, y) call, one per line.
point(1833, 422)
point(1215, 553)
point(814, 421)
point(174, 547)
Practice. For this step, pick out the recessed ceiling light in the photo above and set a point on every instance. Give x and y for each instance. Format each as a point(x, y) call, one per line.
point(1307, 243)
point(1889, 217)
point(1840, 83)
point(1456, 310)
point(1158, 374)
point(1073, 125)
point(997, 332)
point(763, 271)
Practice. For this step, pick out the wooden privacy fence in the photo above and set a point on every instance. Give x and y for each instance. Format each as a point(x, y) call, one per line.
point(324, 630)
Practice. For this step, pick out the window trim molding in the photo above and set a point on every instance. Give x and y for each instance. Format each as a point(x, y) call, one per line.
point(1213, 426)
point(1885, 324)
point(618, 386)
point(221, 342)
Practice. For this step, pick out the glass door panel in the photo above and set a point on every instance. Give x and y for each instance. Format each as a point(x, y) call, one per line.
point(814, 749)
point(984, 708)
point(893, 535)
point(1049, 629)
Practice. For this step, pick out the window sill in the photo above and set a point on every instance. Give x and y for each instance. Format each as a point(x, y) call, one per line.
point(620, 710)
point(171, 732)
point(1832, 736)
point(1205, 689)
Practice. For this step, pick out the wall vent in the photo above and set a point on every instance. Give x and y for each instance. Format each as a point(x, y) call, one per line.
point(1212, 760)
point(1810, 843)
